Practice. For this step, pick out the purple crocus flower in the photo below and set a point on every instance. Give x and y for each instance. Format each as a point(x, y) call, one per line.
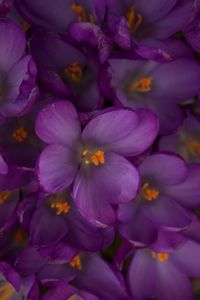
point(60, 221)
point(150, 22)
point(18, 72)
point(73, 75)
point(159, 87)
point(185, 141)
point(83, 19)
point(168, 186)
point(168, 272)
point(93, 160)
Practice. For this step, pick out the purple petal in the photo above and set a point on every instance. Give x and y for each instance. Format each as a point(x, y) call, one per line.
point(58, 123)
point(158, 212)
point(186, 258)
point(3, 166)
point(171, 283)
point(96, 277)
point(110, 127)
point(140, 281)
point(49, 230)
point(10, 275)
point(141, 137)
point(56, 168)
point(12, 41)
point(156, 11)
point(187, 193)
point(165, 169)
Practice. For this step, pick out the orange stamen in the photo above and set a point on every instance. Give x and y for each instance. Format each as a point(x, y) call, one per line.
point(4, 196)
point(60, 207)
point(134, 21)
point(142, 86)
point(6, 290)
point(79, 11)
point(74, 71)
point(95, 158)
point(20, 134)
point(149, 193)
point(160, 256)
point(76, 262)
point(193, 147)
point(19, 236)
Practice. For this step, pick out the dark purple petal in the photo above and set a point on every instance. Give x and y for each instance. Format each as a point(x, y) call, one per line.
point(140, 280)
point(186, 259)
point(166, 212)
point(58, 124)
point(12, 41)
point(49, 230)
point(56, 168)
point(187, 193)
point(164, 169)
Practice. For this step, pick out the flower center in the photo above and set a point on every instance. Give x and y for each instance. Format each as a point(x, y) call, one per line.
point(134, 20)
point(20, 134)
point(193, 147)
point(160, 256)
point(76, 262)
point(74, 72)
point(82, 16)
point(60, 207)
point(148, 193)
point(142, 86)
point(94, 158)
point(4, 196)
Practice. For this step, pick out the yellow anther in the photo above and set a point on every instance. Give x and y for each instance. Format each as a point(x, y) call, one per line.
point(142, 86)
point(160, 256)
point(60, 207)
point(20, 134)
point(76, 262)
point(74, 71)
point(4, 196)
point(193, 147)
point(134, 20)
point(95, 158)
point(19, 237)
point(149, 193)
point(98, 158)
point(79, 11)
point(26, 27)
point(6, 291)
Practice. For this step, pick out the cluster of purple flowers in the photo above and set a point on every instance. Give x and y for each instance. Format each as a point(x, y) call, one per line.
point(99, 149)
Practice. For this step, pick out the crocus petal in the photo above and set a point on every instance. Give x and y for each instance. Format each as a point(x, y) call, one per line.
point(164, 169)
point(3, 166)
point(58, 123)
point(186, 258)
point(12, 41)
point(141, 138)
point(29, 262)
point(140, 281)
point(166, 212)
point(110, 126)
point(156, 10)
point(171, 283)
point(123, 131)
point(56, 168)
point(178, 79)
point(96, 277)
point(10, 275)
point(187, 193)
point(95, 208)
point(49, 230)
point(174, 21)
